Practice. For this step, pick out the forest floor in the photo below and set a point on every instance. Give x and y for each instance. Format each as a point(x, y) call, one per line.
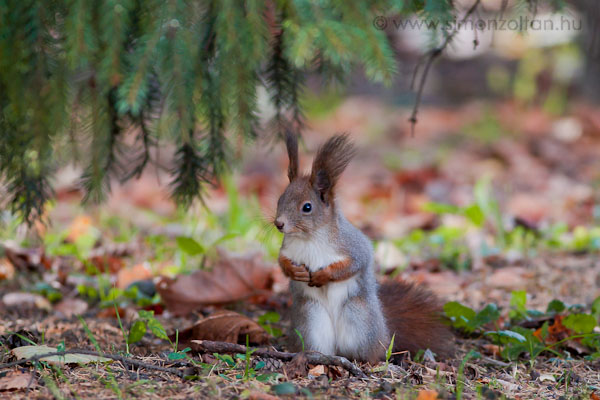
point(495, 210)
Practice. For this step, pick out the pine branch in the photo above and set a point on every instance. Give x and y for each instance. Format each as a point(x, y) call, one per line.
point(190, 173)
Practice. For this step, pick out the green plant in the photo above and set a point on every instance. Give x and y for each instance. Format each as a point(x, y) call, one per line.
point(460, 382)
point(267, 320)
point(388, 353)
point(90, 335)
point(300, 337)
point(465, 318)
point(247, 361)
point(146, 321)
point(126, 337)
point(515, 340)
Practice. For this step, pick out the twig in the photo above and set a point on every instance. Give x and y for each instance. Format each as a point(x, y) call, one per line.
point(498, 363)
point(313, 357)
point(431, 56)
point(115, 357)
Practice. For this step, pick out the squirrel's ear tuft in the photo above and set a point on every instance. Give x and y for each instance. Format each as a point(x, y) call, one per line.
point(331, 160)
point(291, 143)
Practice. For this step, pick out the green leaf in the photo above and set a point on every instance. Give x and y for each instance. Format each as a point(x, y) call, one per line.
point(596, 308)
point(269, 317)
point(157, 329)
point(474, 214)
point(284, 388)
point(226, 358)
point(137, 331)
point(440, 208)
point(518, 302)
point(176, 356)
point(459, 314)
point(189, 245)
point(515, 347)
point(507, 336)
point(580, 323)
point(268, 377)
point(145, 314)
point(388, 353)
point(32, 351)
point(555, 307)
point(489, 314)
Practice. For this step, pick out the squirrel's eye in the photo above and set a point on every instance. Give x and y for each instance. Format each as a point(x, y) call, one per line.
point(306, 208)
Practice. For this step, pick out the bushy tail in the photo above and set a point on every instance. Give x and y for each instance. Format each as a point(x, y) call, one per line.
point(414, 315)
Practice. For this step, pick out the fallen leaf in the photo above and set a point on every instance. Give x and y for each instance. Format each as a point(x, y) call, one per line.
point(107, 263)
point(15, 380)
point(427, 395)
point(224, 326)
point(317, 370)
point(7, 271)
point(24, 259)
point(547, 378)
point(256, 395)
point(556, 331)
point(508, 385)
point(138, 272)
point(233, 278)
point(111, 312)
point(492, 349)
point(32, 351)
point(297, 367)
point(24, 299)
point(389, 256)
point(512, 278)
point(70, 307)
point(80, 226)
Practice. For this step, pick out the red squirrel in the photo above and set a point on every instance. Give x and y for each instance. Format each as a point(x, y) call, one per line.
point(338, 306)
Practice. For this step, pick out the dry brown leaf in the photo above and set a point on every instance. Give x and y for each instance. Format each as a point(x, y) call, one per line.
point(127, 276)
point(492, 349)
point(224, 326)
point(80, 226)
point(427, 395)
point(24, 259)
point(7, 271)
point(24, 299)
point(256, 395)
point(297, 367)
point(233, 278)
point(107, 263)
point(556, 331)
point(70, 307)
point(317, 370)
point(513, 278)
point(15, 380)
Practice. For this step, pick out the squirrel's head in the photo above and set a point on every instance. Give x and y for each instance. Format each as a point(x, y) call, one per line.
point(308, 203)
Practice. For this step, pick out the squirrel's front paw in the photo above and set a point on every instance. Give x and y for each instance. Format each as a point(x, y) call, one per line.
point(294, 271)
point(319, 278)
point(299, 273)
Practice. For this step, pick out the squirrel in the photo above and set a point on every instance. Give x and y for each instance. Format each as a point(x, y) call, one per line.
point(338, 307)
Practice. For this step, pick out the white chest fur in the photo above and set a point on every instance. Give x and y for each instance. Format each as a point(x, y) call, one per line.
point(316, 252)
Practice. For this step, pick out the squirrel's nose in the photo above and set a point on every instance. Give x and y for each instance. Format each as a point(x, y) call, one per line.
point(279, 224)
